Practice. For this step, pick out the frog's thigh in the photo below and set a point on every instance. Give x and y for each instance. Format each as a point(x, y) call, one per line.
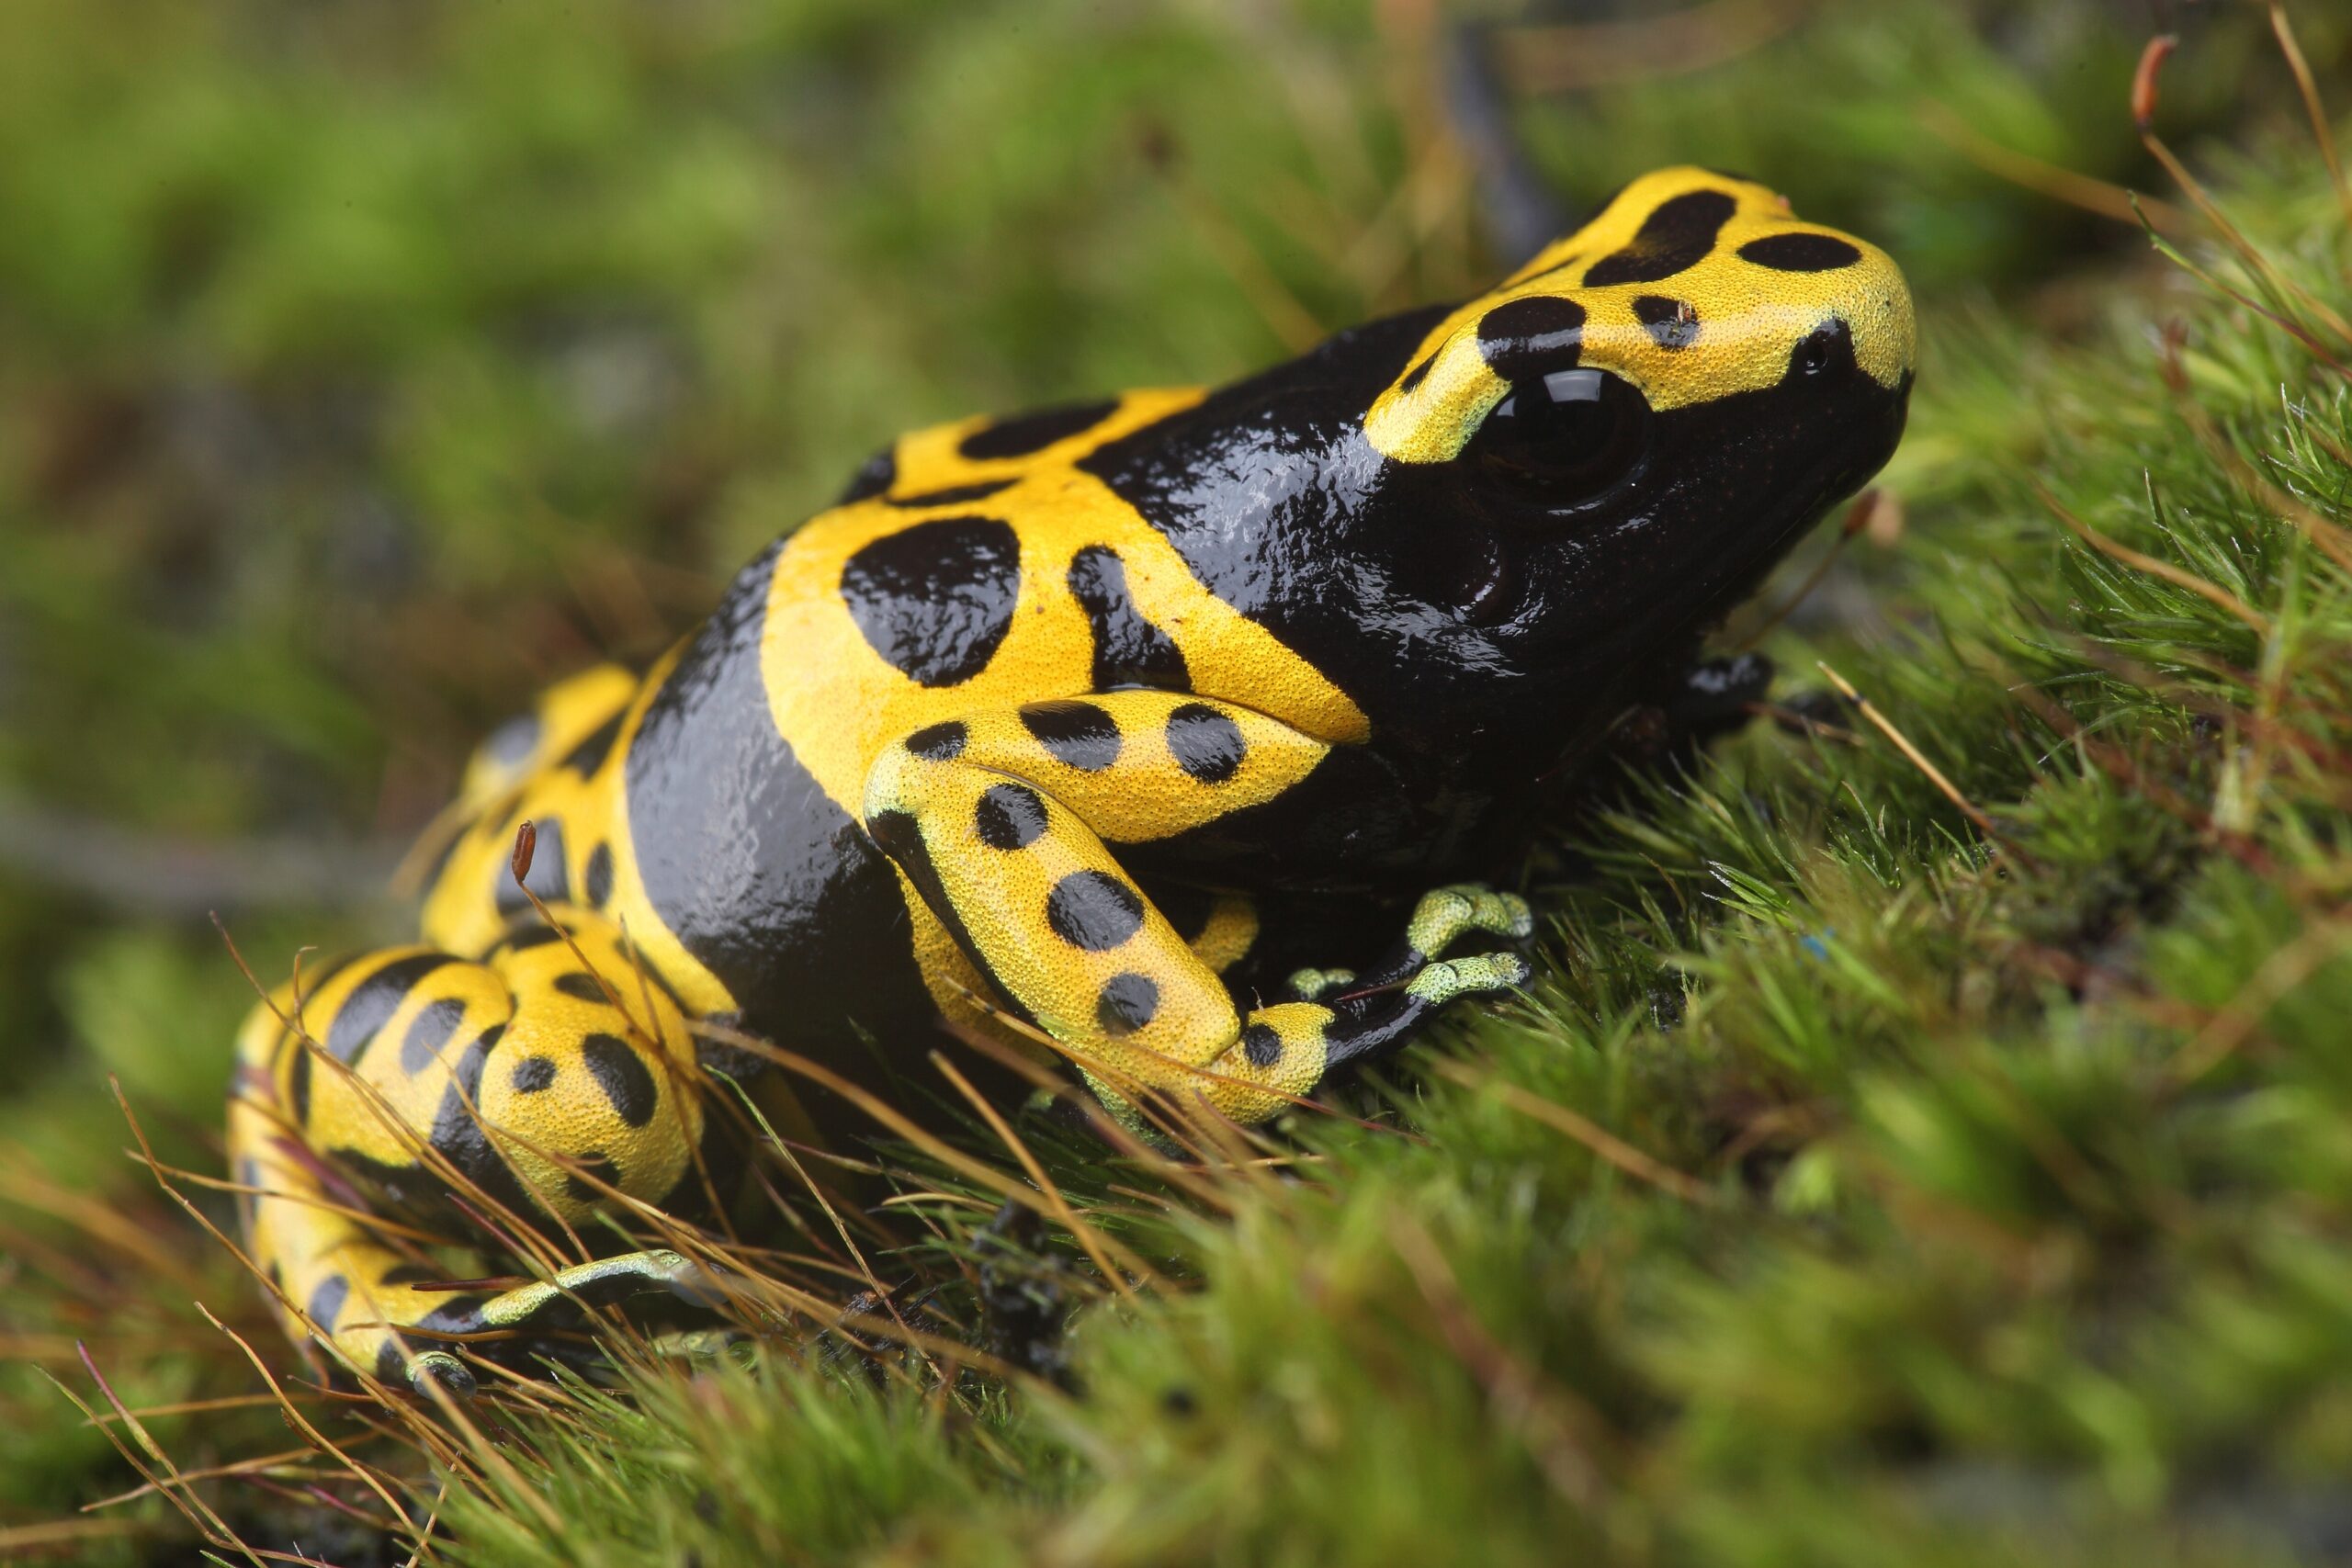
point(999, 820)
point(515, 1079)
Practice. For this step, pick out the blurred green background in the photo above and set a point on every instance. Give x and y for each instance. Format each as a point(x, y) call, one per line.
point(366, 363)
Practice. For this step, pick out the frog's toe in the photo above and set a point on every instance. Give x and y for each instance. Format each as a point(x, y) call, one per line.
point(1445, 915)
point(1482, 973)
point(430, 1369)
point(1314, 985)
point(563, 1298)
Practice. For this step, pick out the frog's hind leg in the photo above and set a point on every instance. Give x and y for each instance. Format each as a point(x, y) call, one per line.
point(533, 1085)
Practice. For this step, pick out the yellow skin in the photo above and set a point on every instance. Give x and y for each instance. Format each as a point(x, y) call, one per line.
point(562, 1073)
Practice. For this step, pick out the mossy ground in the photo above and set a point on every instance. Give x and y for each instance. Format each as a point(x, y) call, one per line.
point(1868, 1177)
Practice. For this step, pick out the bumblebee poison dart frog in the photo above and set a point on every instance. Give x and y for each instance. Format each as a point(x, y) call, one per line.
point(1085, 725)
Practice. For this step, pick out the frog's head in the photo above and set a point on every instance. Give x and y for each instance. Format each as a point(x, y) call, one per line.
point(1496, 516)
point(1651, 410)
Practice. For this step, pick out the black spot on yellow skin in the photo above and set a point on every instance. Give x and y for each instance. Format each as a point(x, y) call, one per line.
point(533, 1074)
point(901, 838)
point(249, 1178)
point(937, 599)
point(1800, 253)
point(1128, 649)
point(548, 878)
point(1206, 745)
point(370, 1006)
point(512, 743)
point(939, 742)
point(596, 877)
point(1672, 323)
point(1008, 816)
point(428, 1032)
point(782, 915)
point(298, 1083)
point(458, 1133)
point(326, 1302)
point(589, 755)
point(524, 938)
point(1418, 373)
point(583, 987)
point(1079, 735)
point(1531, 336)
point(595, 1163)
point(621, 1073)
point(1093, 910)
point(954, 495)
point(1024, 433)
point(1126, 1004)
point(1261, 1045)
point(874, 476)
point(1676, 236)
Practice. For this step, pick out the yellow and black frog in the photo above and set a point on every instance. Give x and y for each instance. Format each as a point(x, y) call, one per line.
point(1090, 719)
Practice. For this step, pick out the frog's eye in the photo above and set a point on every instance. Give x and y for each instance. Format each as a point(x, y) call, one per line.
point(1566, 438)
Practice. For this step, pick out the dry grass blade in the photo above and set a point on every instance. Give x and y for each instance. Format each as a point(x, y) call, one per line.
point(2179, 577)
point(1918, 759)
point(1092, 1242)
point(2144, 111)
point(2028, 173)
point(2305, 84)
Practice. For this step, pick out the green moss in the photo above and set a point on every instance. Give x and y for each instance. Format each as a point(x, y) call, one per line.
point(1853, 1187)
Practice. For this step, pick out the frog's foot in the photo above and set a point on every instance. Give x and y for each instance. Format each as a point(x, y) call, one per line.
point(1370, 1027)
point(522, 1319)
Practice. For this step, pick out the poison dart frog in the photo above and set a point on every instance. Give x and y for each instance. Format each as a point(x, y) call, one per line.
point(1079, 727)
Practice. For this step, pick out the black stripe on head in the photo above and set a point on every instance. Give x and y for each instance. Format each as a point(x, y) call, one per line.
point(372, 1004)
point(1672, 323)
point(1800, 253)
point(1524, 337)
point(428, 1032)
point(1418, 373)
point(1676, 236)
point(1128, 649)
point(1024, 433)
point(621, 1073)
point(937, 599)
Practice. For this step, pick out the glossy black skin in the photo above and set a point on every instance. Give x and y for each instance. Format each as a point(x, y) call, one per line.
point(1491, 642)
point(1491, 645)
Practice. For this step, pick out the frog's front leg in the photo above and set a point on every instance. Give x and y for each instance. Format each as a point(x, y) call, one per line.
point(1000, 822)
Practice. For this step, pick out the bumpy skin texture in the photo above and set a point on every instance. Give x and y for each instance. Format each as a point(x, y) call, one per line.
point(1056, 719)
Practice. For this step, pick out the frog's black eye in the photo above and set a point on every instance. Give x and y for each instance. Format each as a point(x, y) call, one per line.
point(1566, 438)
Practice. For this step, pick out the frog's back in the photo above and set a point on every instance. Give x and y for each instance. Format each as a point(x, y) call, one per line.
point(712, 806)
